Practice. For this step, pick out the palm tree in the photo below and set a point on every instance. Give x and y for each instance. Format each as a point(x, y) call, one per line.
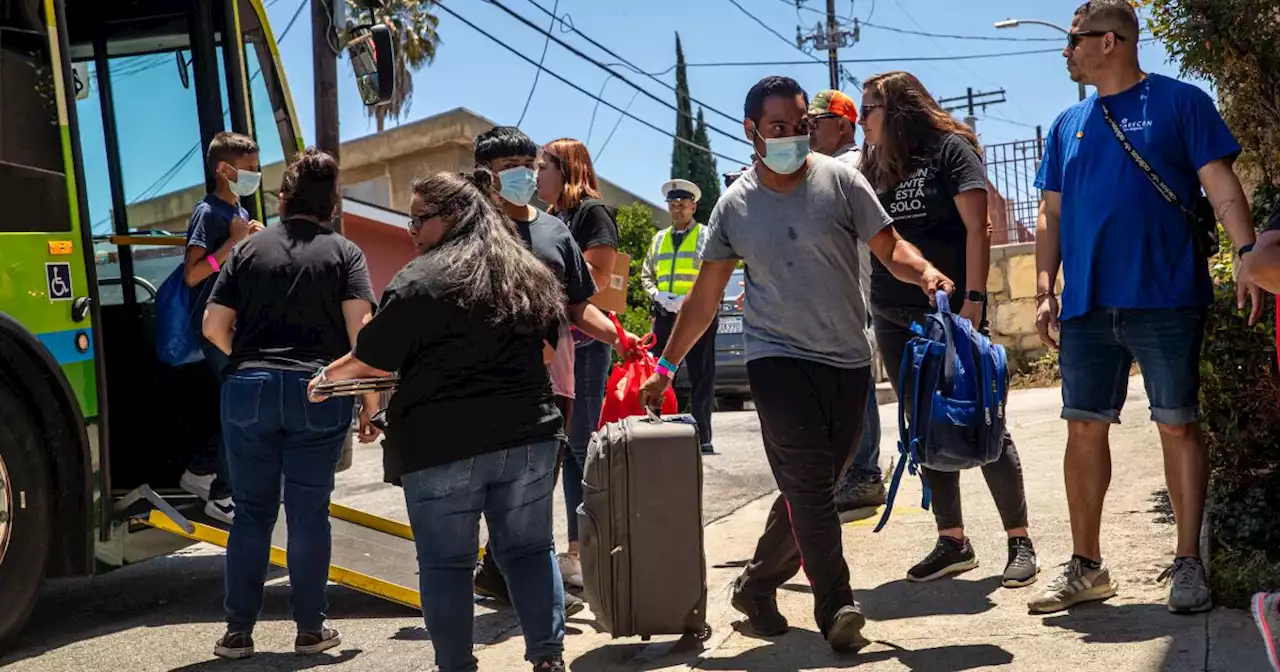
point(414, 26)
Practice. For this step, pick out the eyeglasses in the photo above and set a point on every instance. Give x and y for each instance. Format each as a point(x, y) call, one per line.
point(416, 222)
point(1074, 39)
point(868, 108)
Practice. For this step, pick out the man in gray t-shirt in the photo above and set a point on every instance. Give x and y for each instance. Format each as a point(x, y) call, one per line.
point(796, 219)
point(804, 296)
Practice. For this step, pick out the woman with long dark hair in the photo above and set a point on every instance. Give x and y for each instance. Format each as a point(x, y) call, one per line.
point(288, 300)
point(472, 427)
point(567, 183)
point(927, 169)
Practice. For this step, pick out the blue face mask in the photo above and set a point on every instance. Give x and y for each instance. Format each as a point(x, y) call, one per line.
point(785, 156)
point(518, 185)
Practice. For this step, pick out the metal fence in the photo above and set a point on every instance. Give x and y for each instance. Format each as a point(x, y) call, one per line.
point(1011, 168)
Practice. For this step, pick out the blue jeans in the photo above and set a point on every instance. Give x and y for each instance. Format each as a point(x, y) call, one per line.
point(1098, 348)
point(512, 488)
point(866, 461)
point(212, 458)
point(590, 374)
point(272, 429)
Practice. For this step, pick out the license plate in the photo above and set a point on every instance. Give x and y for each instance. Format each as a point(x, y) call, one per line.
point(730, 325)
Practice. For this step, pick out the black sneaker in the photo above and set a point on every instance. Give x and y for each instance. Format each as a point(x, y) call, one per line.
point(761, 611)
point(549, 666)
point(308, 643)
point(948, 557)
point(1023, 564)
point(845, 631)
point(234, 646)
point(708, 449)
point(859, 494)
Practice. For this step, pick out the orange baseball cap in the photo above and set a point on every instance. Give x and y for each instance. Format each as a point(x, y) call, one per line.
point(834, 102)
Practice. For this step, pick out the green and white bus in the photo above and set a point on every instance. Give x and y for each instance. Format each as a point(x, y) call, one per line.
point(94, 432)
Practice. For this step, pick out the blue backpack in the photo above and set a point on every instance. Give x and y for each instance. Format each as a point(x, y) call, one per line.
point(177, 342)
point(952, 390)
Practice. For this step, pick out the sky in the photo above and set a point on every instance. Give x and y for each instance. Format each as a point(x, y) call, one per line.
point(157, 120)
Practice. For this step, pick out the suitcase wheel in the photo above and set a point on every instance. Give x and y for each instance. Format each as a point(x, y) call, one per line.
point(702, 633)
point(644, 638)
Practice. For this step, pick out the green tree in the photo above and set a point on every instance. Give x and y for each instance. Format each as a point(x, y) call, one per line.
point(688, 161)
point(703, 171)
point(414, 26)
point(1235, 44)
point(635, 228)
point(681, 152)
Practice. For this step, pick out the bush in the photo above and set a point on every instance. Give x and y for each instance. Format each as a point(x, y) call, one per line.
point(1039, 372)
point(1240, 397)
point(636, 230)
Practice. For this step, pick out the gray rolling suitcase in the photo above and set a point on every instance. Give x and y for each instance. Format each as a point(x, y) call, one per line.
point(640, 528)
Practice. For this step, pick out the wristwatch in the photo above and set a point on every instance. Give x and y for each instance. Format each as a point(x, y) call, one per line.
point(975, 296)
point(1244, 249)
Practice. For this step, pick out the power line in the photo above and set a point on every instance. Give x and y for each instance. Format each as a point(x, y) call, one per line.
point(1007, 121)
point(581, 90)
point(636, 69)
point(541, 59)
point(892, 59)
point(946, 36)
point(732, 136)
point(775, 33)
point(616, 124)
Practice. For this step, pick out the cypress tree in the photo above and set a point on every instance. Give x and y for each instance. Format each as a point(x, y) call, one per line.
point(703, 171)
point(682, 153)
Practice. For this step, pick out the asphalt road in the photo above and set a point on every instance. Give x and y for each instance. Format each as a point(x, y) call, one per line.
point(164, 614)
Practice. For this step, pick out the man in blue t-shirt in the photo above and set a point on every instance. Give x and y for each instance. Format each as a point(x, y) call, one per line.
point(1135, 285)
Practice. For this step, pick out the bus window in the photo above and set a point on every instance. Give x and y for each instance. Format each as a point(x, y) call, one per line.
point(264, 131)
point(33, 184)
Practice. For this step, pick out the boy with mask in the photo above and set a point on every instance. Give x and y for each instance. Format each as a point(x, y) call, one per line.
point(217, 223)
point(511, 156)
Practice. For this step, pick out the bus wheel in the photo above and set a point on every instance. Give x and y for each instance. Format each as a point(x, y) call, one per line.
point(25, 514)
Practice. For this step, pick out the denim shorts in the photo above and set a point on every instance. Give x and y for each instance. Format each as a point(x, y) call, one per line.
point(1098, 348)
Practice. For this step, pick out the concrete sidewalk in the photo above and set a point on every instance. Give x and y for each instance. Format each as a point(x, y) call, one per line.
point(968, 622)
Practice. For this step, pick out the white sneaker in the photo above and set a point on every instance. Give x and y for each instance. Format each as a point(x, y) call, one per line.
point(196, 484)
point(570, 569)
point(221, 509)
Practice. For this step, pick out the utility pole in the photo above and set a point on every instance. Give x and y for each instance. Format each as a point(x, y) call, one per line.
point(829, 38)
point(970, 102)
point(326, 16)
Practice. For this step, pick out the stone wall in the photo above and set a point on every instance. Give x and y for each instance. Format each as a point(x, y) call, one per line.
point(1011, 289)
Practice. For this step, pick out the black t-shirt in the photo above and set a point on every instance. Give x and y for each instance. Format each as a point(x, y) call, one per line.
point(466, 387)
point(287, 284)
point(595, 228)
point(552, 244)
point(924, 212)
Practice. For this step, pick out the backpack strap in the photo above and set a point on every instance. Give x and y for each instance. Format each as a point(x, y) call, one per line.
point(906, 444)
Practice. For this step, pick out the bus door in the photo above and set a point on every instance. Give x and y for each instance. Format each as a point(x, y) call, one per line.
point(159, 80)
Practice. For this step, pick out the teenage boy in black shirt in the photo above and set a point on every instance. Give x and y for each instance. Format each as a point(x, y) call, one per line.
point(512, 156)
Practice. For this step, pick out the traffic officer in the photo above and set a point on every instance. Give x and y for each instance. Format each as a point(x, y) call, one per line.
point(669, 271)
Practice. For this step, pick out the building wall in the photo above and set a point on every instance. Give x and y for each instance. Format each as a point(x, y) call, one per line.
point(386, 248)
point(1011, 289)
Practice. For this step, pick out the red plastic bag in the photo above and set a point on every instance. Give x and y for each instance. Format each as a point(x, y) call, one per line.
point(622, 393)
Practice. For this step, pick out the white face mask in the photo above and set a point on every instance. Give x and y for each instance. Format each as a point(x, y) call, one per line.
point(246, 183)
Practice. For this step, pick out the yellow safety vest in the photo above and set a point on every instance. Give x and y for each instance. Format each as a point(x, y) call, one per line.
point(677, 269)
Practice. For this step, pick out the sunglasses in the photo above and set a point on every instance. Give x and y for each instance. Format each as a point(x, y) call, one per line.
point(679, 201)
point(1074, 39)
point(868, 108)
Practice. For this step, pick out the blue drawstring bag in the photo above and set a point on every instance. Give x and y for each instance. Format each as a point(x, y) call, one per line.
point(952, 390)
point(177, 342)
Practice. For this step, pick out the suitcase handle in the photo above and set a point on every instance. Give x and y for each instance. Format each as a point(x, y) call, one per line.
point(652, 416)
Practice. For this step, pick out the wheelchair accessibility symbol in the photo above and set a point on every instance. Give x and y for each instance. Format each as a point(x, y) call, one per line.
point(58, 279)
